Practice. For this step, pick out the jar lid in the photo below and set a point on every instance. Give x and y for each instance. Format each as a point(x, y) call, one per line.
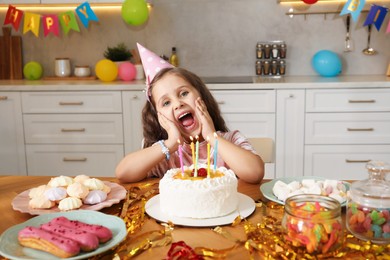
point(81, 66)
point(375, 191)
point(62, 58)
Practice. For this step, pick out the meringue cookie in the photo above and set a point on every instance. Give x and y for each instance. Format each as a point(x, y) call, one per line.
point(56, 193)
point(94, 184)
point(77, 190)
point(38, 191)
point(69, 203)
point(95, 196)
point(81, 178)
point(106, 189)
point(41, 202)
point(60, 181)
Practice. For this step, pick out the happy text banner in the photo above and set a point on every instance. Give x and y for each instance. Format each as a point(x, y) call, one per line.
point(51, 23)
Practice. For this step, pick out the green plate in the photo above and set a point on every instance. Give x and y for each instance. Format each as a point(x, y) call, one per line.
point(266, 188)
point(10, 247)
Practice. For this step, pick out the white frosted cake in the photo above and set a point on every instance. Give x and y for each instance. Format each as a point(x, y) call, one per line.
point(198, 197)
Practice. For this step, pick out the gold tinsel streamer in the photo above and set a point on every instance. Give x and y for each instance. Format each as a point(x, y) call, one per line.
point(266, 239)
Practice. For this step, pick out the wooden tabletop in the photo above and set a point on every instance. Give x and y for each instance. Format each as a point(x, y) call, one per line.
point(11, 186)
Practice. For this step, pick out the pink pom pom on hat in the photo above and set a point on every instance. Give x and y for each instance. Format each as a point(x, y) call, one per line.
point(152, 64)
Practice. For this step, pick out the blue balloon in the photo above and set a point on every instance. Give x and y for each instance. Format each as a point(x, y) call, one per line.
point(326, 63)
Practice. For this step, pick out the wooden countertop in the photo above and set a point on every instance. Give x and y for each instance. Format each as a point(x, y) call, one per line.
point(11, 186)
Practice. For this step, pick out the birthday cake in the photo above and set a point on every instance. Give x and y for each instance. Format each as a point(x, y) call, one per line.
point(201, 196)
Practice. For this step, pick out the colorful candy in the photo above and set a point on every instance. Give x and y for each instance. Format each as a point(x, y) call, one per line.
point(314, 224)
point(369, 223)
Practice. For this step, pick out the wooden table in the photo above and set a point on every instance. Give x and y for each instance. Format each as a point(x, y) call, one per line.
point(10, 186)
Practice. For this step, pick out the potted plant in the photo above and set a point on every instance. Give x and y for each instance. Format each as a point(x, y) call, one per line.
point(118, 53)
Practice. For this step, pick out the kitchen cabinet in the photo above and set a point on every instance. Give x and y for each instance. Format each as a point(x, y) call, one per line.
point(252, 112)
point(290, 122)
point(79, 1)
point(72, 133)
point(133, 103)
point(12, 154)
point(14, 2)
point(344, 129)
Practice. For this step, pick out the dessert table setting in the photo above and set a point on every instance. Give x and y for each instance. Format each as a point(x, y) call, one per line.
point(256, 230)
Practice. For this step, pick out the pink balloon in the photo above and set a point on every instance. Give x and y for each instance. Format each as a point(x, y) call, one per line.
point(127, 71)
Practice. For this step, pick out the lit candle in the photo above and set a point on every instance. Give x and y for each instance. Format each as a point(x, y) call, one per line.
point(192, 150)
point(215, 151)
point(208, 157)
point(196, 156)
point(181, 157)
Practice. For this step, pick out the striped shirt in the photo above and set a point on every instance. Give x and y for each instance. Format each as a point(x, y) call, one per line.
point(234, 137)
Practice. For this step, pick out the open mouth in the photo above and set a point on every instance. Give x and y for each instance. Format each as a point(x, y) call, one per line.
point(186, 120)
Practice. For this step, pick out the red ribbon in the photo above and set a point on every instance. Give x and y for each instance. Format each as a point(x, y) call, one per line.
point(180, 250)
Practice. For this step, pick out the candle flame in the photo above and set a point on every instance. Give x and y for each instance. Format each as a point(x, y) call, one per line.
point(215, 135)
point(178, 141)
point(196, 137)
point(192, 139)
point(208, 139)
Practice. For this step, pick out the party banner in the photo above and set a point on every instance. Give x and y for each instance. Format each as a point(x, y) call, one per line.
point(51, 24)
point(388, 28)
point(85, 13)
point(353, 7)
point(14, 17)
point(376, 16)
point(31, 23)
point(68, 21)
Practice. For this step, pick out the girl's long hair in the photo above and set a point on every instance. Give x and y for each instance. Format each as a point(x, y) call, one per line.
point(153, 131)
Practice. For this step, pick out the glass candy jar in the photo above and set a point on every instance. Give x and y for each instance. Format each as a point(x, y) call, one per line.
point(368, 206)
point(313, 223)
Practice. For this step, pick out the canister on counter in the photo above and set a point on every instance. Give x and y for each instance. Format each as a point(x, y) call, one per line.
point(259, 51)
point(283, 51)
point(282, 67)
point(266, 67)
point(274, 67)
point(275, 51)
point(259, 67)
point(267, 51)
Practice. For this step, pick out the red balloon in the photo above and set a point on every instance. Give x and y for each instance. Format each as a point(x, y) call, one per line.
point(127, 71)
point(310, 2)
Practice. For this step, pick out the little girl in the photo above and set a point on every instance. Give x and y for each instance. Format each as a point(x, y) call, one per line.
point(181, 108)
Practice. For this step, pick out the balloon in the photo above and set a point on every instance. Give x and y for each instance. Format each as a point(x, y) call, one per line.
point(326, 63)
point(106, 70)
point(32, 70)
point(310, 2)
point(127, 71)
point(135, 12)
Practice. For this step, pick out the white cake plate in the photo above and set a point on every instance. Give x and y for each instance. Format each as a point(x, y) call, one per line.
point(246, 206)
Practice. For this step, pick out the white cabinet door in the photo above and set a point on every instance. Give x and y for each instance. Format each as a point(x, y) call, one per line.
point(343, 162)
point(133, 103)
point(290, 126)
point(12, 154)
point(72, 160)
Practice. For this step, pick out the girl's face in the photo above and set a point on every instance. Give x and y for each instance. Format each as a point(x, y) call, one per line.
point(175, 99)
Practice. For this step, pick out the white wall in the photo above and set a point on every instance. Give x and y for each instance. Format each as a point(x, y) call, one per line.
point(216, 37)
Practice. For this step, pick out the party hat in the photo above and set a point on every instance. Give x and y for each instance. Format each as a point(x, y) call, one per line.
point(152, 64)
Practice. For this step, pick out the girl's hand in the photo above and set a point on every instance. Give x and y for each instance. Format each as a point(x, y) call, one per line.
point(206, 121)
point(172, 130)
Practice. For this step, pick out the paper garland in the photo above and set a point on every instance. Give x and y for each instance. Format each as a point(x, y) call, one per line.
point(375, 16)
point(51, 23)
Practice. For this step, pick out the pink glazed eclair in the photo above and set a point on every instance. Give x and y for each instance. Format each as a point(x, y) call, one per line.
point(104, 234)
point(87, 241)
point(43, 240)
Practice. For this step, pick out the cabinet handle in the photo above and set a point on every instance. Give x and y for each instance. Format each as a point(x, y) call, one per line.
point(221, 102)
point(356, 161)
point(362, 101)
point(71, 103)
point(81, 159)
point(72, 129)
point(135, 97)
point(360, 129)
point(3, 97)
